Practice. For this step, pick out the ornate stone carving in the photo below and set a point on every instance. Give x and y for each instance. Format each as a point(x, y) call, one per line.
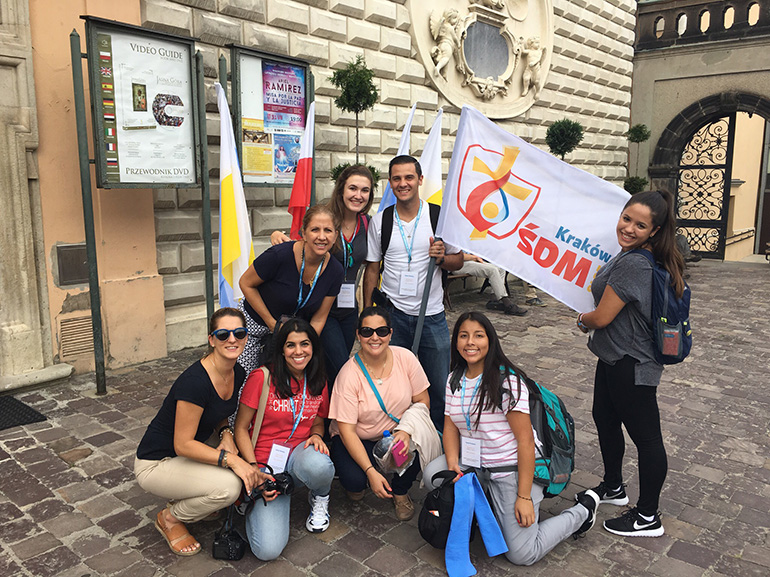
point(475, 50)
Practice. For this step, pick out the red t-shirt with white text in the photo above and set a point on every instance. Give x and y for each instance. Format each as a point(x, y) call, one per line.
point(279, 419)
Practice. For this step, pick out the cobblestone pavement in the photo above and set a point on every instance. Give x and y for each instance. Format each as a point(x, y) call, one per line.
point(69, 505)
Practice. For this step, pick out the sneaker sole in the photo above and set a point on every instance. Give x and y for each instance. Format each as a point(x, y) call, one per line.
point(643, 533)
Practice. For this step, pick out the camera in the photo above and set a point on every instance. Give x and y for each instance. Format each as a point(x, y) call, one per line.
point(283, 485)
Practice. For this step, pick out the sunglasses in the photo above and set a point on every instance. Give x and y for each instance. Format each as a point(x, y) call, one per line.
point(367, 332)
point(224, 334)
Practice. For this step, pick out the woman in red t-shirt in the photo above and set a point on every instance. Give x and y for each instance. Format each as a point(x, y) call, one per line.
point(290, 437)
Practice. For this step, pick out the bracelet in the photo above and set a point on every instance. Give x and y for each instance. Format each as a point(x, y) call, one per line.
point(580, 321)
point(225, 429)
point(224, 461)
point(319, 435)
point(369, 467)
point(525, 498)
point(222, 455)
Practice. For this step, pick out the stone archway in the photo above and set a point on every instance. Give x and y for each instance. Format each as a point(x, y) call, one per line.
point(666, 168)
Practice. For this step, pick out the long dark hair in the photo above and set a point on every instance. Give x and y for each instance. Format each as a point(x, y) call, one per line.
point(663, 242)
point(497, 367)
point(315, 371)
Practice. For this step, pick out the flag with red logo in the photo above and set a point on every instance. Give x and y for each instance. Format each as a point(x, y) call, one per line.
point(524, 210)
point(299, 201)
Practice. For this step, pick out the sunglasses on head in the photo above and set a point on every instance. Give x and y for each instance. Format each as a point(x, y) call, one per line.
point(224, 334)
point(367, 332)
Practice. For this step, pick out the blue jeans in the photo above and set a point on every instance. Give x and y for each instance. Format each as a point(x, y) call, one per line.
point(267, 525)
point(338, 337)
point(433, 354)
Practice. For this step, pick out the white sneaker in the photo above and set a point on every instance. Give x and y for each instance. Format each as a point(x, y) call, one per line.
point(318, 520)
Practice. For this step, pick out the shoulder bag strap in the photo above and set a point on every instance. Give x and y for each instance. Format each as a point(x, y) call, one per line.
point(261, 410)
point(374, 389)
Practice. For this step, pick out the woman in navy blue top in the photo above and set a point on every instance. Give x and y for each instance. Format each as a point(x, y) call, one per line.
point(350, 202)
point(298, 279)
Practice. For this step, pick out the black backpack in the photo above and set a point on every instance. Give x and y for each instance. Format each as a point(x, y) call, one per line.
point(435, 518)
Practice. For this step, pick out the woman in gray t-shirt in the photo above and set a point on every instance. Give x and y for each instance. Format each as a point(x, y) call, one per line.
point(627, 374)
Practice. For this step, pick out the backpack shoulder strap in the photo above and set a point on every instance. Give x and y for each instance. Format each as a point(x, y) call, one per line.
point(386, 229)
point(262, 406)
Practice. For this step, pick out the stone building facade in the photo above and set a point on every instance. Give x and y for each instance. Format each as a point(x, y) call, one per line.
point(150, 242)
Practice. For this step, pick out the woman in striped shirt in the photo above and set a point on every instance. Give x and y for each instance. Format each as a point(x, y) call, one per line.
point(487, 427)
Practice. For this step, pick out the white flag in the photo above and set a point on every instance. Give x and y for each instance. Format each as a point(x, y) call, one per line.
point(528, 212)
point(388, 198)
point(236, 249)
point(430, 161)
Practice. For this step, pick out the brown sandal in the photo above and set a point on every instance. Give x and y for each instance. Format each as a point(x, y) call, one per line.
point(177, 537)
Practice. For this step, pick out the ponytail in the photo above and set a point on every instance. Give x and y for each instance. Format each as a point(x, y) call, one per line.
point(663, 242)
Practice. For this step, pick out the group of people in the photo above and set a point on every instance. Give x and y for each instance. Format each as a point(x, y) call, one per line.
point(278, 391)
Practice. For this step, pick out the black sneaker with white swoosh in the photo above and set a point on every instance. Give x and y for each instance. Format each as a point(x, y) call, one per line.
point(632, 524)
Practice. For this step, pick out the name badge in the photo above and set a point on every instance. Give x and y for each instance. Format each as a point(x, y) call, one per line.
point(279, 456)
point(347, 297)
point(408, 285)
point(470, 452)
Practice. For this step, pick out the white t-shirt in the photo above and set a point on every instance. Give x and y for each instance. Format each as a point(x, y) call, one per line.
point(397, 261)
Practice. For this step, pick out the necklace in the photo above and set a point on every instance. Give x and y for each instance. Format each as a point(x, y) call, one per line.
point(216, 368)
point(378, 380)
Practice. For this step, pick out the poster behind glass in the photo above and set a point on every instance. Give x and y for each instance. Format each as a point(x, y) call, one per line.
point(273, 99)
point(145, 91)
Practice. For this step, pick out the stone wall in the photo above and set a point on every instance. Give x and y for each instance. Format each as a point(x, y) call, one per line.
point(589, 81)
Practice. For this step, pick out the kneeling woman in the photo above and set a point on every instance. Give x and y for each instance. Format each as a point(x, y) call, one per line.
point(174, 462)
point(364, 411)
point(487, 412)
point(290, 437)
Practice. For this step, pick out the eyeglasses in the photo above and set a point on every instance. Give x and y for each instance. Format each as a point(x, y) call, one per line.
point(224, 334)
point(367, 332)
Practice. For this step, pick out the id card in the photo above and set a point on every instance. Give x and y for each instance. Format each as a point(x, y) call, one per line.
point(347, 297)
point(279, 456)
point(470, 452)
point(408, 285)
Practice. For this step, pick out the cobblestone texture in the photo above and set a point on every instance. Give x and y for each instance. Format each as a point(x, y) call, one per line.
point(69, 505)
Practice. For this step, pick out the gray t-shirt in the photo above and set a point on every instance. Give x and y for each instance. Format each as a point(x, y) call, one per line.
point(630, 333)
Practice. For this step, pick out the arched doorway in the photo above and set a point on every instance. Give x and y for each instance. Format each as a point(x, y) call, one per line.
point(694, 159)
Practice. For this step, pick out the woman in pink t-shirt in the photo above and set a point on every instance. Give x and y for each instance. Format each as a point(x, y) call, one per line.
point(396, 375)
point(290, 438)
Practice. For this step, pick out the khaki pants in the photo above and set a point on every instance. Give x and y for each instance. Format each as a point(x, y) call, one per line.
point(194, 490)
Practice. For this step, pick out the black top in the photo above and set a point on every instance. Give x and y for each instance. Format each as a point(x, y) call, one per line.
point(279, 291)
point(194, 386)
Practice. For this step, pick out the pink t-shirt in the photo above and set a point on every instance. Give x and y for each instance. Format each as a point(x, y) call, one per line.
point(279, 419)
point(353, 400)
point(498, 445)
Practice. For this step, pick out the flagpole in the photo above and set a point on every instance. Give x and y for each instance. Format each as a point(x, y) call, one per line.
point(208, 257)
point(424, 304)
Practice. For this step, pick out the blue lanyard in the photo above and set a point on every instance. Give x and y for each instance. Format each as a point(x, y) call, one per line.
point(403, 235)
point(347, 260)
point(300, 302)
point(470, 402)
point(298, 417)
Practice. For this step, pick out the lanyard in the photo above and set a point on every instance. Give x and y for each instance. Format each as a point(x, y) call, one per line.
point(298, 417)
point(403, 235)
point(347, 245)
point(467, 415)
point(374, 389)
point(301, 303)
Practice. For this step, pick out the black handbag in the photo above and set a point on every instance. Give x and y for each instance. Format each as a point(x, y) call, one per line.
point(435, 517)
point(228, 543)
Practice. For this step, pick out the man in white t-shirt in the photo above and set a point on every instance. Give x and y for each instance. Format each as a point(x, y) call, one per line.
point(405, 268)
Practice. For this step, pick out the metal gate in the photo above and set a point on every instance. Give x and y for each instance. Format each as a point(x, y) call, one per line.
point(703, 187)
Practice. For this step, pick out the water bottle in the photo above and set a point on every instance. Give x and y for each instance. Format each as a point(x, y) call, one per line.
point(381, 450)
